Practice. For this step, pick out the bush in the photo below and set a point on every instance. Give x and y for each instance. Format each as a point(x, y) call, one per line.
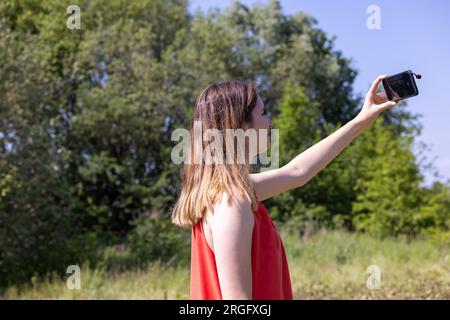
point(305, 220)
point(38, 230)
point(156, 238)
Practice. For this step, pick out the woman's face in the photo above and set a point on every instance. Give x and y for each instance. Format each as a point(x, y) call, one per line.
point(261, 121)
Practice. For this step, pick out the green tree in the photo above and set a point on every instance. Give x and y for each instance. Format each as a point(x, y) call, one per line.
point(389, 193)
point(86, 115)
point(332, 189)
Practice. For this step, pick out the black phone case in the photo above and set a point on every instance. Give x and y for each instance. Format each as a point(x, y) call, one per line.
point(389, 91)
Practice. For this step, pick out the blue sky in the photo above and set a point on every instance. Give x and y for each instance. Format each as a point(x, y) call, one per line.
point(414, 35)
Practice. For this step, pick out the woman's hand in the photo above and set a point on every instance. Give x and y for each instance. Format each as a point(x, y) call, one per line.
point(374, 104)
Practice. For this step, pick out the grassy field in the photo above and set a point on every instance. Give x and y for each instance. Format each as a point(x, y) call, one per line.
point(328, 265)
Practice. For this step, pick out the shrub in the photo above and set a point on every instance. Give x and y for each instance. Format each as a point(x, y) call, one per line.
point(157, 238)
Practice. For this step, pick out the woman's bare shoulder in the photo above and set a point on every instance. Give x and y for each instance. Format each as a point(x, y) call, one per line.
point(229, 210)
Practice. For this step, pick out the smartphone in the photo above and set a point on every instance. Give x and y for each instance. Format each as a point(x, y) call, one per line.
point(400, 86)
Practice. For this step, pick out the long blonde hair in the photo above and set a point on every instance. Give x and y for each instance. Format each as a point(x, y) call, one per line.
point(222, 105)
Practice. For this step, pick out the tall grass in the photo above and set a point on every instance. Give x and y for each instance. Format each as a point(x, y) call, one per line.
point(328, 265)
point(333, 265)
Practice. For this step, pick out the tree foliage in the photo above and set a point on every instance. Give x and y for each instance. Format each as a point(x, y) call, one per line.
point(86, 117)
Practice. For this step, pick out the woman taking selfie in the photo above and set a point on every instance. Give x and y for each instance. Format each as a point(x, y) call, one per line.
point(236, 251)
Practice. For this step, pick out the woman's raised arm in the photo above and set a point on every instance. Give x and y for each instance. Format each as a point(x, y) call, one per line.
point(310, 162)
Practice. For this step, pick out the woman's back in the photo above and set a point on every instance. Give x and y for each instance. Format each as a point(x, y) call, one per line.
point(269, 268)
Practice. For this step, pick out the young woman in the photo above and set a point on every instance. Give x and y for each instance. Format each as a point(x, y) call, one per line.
point(236, 251)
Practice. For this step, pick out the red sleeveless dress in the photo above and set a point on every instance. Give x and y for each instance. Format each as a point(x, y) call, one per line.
point(270, 273)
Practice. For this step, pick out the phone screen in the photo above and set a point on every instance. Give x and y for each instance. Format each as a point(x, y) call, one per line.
point(400, 86)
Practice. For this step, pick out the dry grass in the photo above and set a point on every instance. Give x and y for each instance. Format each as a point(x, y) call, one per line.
point(329, 265)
